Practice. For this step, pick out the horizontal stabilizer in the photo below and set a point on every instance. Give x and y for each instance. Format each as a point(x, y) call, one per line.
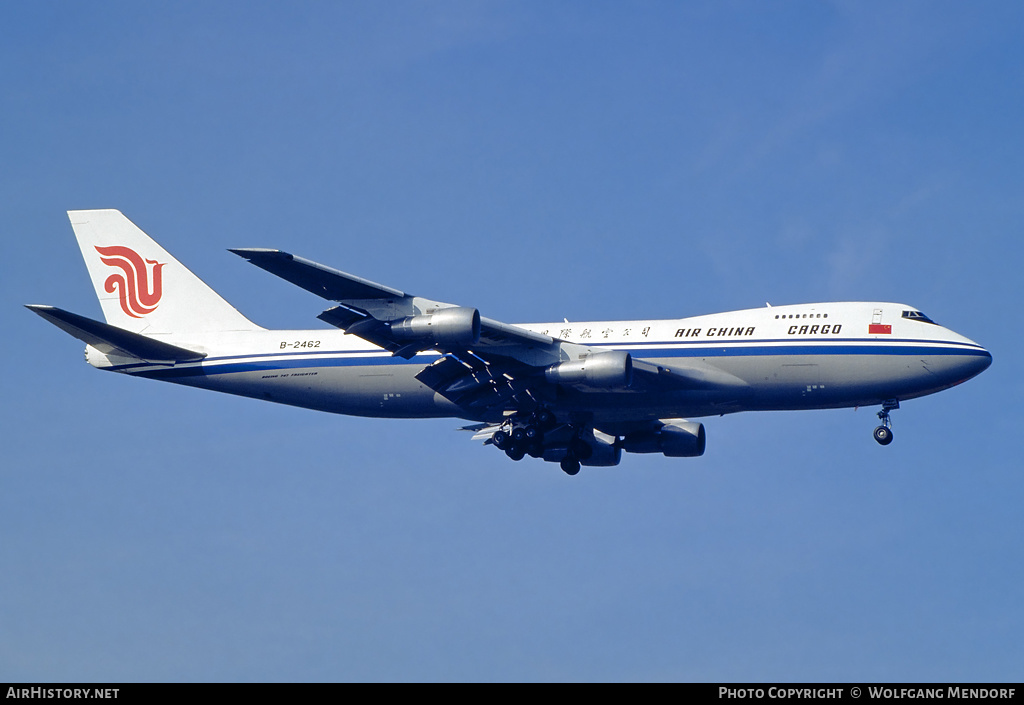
point(107, 338)
point(331, 284)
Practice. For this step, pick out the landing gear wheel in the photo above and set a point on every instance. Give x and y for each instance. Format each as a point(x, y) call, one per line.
point(570, 465)
point(545, 420)
point(501, 440)
point(516, 452)
point(883, 435)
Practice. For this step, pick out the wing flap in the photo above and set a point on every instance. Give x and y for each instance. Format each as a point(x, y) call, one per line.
point(472, 382)
point(482, 431)
point(361, 324)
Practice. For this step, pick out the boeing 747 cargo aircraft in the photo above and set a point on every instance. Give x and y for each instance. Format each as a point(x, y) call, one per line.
point(572, 393)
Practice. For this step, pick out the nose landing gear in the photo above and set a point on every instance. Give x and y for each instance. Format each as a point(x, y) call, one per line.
point(883, 434)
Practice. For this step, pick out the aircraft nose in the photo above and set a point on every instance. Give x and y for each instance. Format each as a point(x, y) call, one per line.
point(981, 362)
point(972, 365)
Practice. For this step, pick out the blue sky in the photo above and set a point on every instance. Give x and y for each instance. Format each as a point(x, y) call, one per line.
point(536, 160)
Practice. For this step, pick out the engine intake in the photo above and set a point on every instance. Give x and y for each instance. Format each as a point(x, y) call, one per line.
point(603, 370)
point(455, 327)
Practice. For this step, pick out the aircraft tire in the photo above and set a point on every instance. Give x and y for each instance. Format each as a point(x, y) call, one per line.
point(500, 440)
point(546, 420)
point(570, 465)
point(516, 452)
point(883, 435)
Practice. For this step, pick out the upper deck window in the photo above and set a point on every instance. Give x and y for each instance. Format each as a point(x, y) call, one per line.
point(918, 316)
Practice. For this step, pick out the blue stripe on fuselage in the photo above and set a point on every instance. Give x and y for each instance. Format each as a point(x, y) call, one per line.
point(682, 349)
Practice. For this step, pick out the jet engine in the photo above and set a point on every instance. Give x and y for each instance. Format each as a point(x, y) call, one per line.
point(603, 370)
point(676, 439)
point(452, 327)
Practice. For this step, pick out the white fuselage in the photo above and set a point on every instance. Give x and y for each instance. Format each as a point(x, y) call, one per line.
point(810, 356)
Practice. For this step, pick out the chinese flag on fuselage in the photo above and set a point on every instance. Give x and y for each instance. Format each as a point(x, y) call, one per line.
point(879, 329)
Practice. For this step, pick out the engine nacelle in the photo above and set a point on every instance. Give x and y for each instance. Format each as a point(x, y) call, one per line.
point(457, 326)
point(603, 370)
point(593, 452)
point(602, 455)
point(678, 439)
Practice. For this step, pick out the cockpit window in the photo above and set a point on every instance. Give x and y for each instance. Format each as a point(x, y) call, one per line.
point(918, 316)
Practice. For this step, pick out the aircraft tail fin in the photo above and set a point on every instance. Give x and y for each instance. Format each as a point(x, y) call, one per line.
point(141, 287)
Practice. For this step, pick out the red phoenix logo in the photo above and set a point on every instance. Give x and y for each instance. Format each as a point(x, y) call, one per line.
point(138, 286)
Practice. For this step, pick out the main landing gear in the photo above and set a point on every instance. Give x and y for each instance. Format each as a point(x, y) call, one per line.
point(525, 434)
point(883, 434)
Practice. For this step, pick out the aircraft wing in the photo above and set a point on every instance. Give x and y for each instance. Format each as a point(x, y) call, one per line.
point(485, 363)
point(319, 279)
point(369, 310)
